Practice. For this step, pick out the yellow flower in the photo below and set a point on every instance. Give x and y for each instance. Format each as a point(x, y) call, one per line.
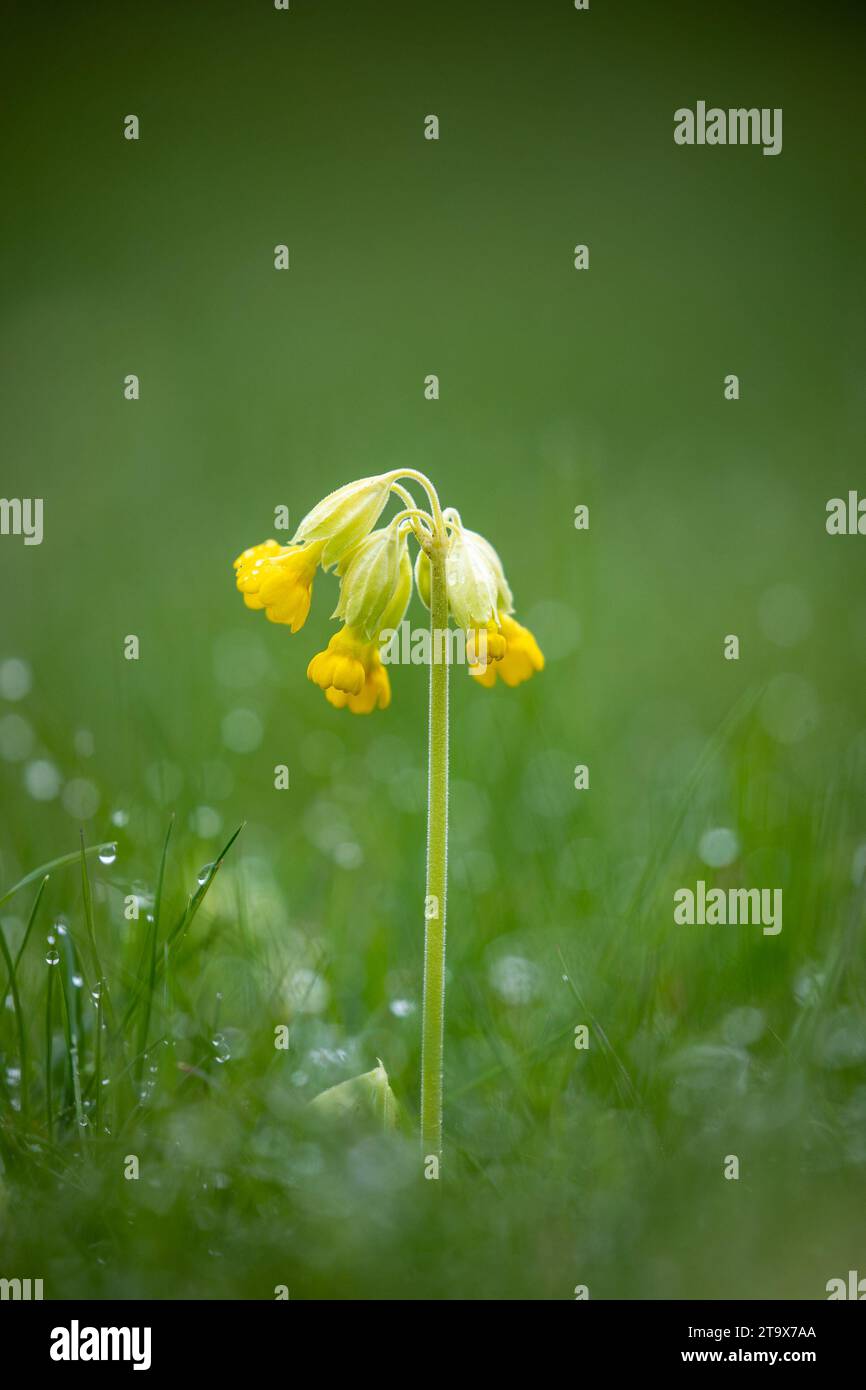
point(350, 670)
point(345, 664)
point(376, 581)
point(485, 645)
point(523, 656)
point(249, 560)
point(279, 579)
point(375, 693)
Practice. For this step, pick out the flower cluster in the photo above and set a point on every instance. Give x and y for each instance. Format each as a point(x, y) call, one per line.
point(376, 581)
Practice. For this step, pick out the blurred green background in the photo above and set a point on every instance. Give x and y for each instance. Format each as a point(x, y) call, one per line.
point(558, 387)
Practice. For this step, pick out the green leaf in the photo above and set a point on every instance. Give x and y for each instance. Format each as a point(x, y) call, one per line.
point(367, 1095)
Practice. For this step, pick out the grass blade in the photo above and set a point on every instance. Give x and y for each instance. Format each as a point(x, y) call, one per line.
point(31, 919)
point(101, 983)
point(185, 921)
point(49, 1051)
point(151, 978)
point(19, 1020)
point(45, 869)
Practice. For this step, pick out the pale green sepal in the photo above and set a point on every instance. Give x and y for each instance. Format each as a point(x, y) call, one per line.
point(472, 581)
point(345, 517)
point(370, 580)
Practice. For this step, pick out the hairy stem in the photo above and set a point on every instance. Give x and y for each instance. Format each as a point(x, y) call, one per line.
point(433, 1014)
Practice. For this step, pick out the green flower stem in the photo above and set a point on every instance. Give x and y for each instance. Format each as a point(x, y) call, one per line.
point(433, 1013)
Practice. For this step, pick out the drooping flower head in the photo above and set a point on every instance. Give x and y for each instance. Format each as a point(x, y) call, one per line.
point(376, 581)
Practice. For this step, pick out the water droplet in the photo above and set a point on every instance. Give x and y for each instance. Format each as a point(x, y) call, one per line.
point(52, 957)
point(515, 979)
point(108, 854)
point(205, 872)
point(402, 1008)
point(120, 818)
point(221, 1049)
point(77, 981)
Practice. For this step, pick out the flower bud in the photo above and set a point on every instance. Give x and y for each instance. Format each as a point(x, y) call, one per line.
point(371, 578)
point(345, 517)
point(504, 598)
point(472, 580)
point(422, 577)
point(393, 614)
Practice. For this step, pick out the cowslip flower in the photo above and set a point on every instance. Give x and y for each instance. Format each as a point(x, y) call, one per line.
point(461, 579)
point(374, 595)
point(521, 658)
point(481, 601)
point(279, 579)
point(375, 693)
point(376, 581)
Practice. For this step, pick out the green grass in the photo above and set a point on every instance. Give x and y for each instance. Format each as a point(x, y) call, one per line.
point(562, 1167)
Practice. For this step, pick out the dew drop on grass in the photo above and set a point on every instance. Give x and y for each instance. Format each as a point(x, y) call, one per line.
point(108, 854)
point(221, 1049)
point(52, 956)
point(401, 1008)
point(205, 872)
point(77, 981)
